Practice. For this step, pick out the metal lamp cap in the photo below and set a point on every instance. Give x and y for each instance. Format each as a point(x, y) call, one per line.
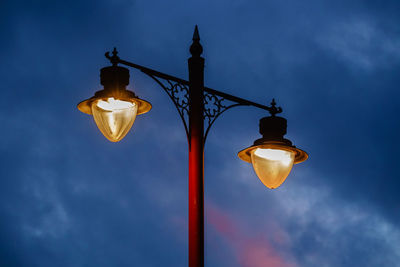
point(273, 128)
point(114, 77)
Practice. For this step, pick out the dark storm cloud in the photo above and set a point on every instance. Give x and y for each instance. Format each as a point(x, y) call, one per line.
point(71, 198)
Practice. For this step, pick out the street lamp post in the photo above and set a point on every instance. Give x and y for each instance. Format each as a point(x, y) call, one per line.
point(196, 153)
point(114, 110)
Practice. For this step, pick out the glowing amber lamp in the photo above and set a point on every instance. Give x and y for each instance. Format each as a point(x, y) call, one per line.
point(272, 156)
point(272, 166)
point(114, 108)
point(114, 118)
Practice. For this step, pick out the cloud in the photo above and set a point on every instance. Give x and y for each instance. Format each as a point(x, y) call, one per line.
point(70, 198)
point(324, 228)
point(361, 43)
point(301, 224)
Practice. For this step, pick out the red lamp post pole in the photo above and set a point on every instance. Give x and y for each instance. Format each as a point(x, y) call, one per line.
point(196, 154)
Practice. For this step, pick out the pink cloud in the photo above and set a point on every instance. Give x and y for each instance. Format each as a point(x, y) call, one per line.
point(259, 253)
point(251, 250)
point(221, 223)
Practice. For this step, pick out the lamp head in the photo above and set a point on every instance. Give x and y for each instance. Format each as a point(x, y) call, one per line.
point(114, 108)
point(272, 156)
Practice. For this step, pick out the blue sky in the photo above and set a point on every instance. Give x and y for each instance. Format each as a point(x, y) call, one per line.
point(69, 197)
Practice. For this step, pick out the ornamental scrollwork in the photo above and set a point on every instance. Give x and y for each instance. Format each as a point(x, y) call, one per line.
point(179, 94)
point(214, 106)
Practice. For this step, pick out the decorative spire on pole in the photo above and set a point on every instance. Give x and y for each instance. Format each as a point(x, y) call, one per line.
point(196, 49)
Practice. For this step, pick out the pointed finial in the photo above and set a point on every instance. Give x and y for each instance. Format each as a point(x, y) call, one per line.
point(196, 35)
point(114, 59)
point(273, 110)
point(115, 52)
point(196, 49)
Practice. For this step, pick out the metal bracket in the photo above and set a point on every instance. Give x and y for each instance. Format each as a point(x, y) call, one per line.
point(179, 94)
point(213, 107)
point(178, 91)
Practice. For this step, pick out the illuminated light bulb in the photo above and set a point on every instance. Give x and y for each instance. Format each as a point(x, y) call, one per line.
point(272, 166)
point(114, 117)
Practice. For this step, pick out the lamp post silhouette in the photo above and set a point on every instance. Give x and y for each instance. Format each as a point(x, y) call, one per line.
point(115, 108)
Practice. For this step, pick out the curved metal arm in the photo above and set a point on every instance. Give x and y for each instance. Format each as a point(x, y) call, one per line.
point(214, 107)
point(178, 91)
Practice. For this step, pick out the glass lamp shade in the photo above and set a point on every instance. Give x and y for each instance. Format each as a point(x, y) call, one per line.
point(272, 166)
point(114, 117)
